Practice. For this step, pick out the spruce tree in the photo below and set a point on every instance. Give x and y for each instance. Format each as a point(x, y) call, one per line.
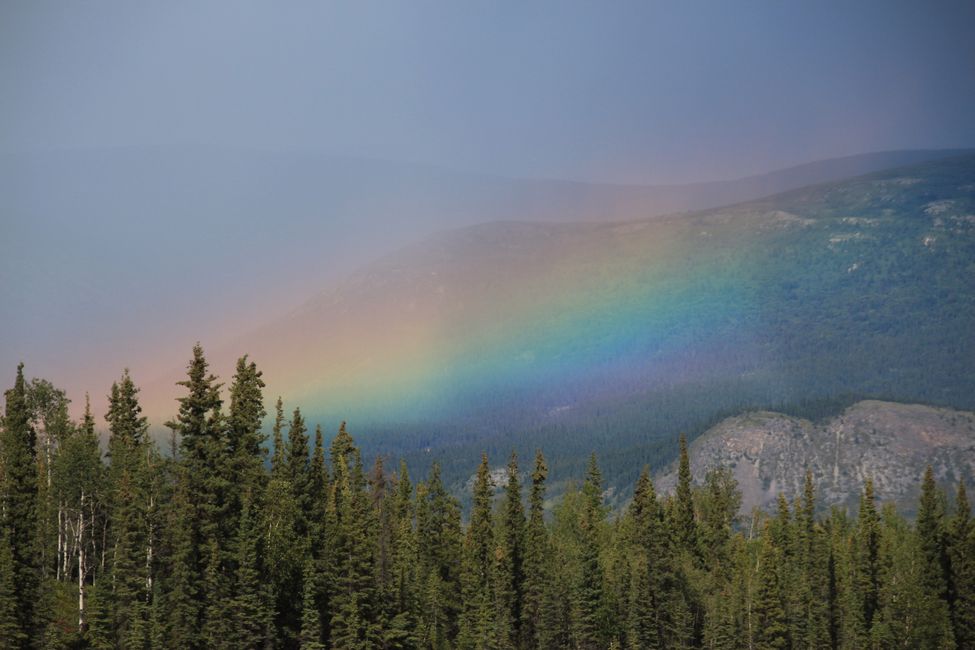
point(511, 557)
point(813, 599)
point(277, 440)
point(353, 607)
point(647, 578)
point(932, 536)
point(402, 597)
point(440, 551)
point(245, 440)
point(296, 462)
point(537, 552)
point(184, 585)
point(128, 449)
point(962, 563)
point(588, 600)
point(217, 633)
point(866, 558)
point(250, 609)
point(19, 506)
point(12, 634)
point(478, 629)
point(685, 527)
point(311, 622)
point(771, 624)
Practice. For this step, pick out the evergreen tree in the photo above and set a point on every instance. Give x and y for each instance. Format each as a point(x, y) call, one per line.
point(128, 449)
point(685, 528)
point(277, 436)
point(866, 559)
point(296, 462)
point(478, 625)
point(771, 624)
point(101, 628)
point(19, 505)
point(130, 597)
point(402, 599)
point(440, 551)
point(813, 599)
point(250, 615)
point(353, 602)
point(284, 555)
point(12, 634)
point(511, 557)
point(588, 601)
point(311, 622)
point(537, 552)
point(217, 615)
point(184, 585)
point(317, 494)
point(962, 562)
point(647, 584)
point(933, 542)
point(204, 450)
point(209, 531)
point(245, 440)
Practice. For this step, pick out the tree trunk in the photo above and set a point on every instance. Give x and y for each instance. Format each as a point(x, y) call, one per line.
point(81, 565)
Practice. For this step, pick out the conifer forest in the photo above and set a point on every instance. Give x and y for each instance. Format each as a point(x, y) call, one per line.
point(230, 538)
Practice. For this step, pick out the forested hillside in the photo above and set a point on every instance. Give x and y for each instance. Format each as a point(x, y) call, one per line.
point(230, 540)
point(619, 335)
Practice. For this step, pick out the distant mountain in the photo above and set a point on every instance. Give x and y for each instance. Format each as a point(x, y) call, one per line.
point(887, 442)
point(108, 253)
point(617, 336)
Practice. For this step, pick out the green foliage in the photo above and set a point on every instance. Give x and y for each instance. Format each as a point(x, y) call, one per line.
point(214, 550)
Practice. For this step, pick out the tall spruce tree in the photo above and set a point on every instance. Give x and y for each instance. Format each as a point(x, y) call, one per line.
point(250, 607)
point(962, 562)
point(311, 621)
point(12, 633)
point(588, 601)
point(277, 441)
point(204, 458)
point(685, 527)
point(245, 440)
point(866, 560)
point(932, 537)
point(401, 598)
point(297, 464)
point(647, 584)
point(128, 449)
point(440, 552)
point(353, 606)
point(19, 505)
point(771, 623)
point(536, 563)
point(511, 558)
point(478, 622)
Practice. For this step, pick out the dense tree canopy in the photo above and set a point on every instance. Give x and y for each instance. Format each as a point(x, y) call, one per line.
point(228, 544)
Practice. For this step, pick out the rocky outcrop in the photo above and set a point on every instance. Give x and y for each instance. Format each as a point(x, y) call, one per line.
point(891, 443)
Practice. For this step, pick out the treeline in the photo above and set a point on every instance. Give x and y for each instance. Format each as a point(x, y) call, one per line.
point(215, 545)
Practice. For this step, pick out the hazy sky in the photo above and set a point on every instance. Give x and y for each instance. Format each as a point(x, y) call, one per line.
point(627, 92)
point(168, 221)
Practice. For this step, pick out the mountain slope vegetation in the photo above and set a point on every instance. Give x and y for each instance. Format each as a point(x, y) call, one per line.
point(617, 336)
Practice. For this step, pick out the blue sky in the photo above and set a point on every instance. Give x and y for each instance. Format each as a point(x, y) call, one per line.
point(638, 92)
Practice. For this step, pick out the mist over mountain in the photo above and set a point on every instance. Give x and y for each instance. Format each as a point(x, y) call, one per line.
point(616, 336)
point(108, 250)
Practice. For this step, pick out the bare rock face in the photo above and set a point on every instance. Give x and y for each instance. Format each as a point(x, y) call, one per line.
point(891, 443)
